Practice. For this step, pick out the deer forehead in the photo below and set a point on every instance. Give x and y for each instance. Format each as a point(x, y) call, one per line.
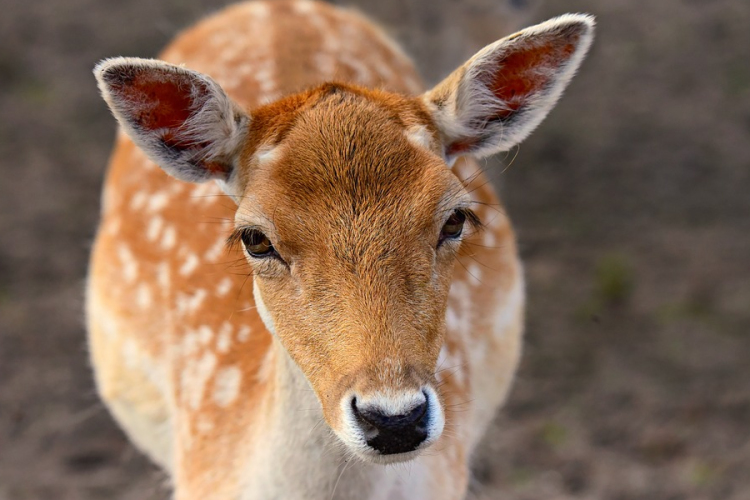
point(350, 165)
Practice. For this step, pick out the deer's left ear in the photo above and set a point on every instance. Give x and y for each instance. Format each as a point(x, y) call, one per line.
point(497, 98)
point(180, 118)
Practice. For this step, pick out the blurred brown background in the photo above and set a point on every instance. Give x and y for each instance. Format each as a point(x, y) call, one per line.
point(632, 203)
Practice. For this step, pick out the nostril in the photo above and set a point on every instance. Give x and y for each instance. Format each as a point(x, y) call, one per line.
point(416, 415)
point(371, 432)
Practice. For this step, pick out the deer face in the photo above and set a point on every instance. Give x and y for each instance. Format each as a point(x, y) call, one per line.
point(351, 224)
point(348, 212)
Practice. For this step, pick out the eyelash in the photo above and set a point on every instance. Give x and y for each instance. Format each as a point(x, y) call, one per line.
point(240, 235)
point(469, 218)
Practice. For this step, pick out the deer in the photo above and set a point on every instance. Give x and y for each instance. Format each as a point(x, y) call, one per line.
point(339, 314)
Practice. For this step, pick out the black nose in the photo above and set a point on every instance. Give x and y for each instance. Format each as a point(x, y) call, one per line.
point(390, 434)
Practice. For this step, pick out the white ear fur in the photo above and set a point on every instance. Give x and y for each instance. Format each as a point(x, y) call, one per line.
point(180, 118)
point(478, 109)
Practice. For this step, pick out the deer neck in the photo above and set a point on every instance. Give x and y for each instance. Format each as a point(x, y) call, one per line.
point(296, 455)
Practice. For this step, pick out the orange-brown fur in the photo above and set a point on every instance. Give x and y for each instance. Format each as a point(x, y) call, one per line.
point(172, 319)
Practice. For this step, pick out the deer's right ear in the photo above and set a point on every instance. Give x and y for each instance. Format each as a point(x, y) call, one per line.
point(180, 118)
point(500, 95)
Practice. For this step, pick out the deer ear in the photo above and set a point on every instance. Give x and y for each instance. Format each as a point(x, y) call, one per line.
point(180, 118)
point(497, 98)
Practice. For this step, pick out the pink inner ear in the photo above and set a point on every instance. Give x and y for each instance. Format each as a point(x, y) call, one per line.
point(160, 103)
point(166, 104)
point(527, 70)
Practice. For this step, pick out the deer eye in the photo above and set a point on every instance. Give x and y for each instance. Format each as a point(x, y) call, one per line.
point(257, 244)
point(453, 227)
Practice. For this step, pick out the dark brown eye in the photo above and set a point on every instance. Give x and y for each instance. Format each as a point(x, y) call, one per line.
point(453, 227)
point(257, 244)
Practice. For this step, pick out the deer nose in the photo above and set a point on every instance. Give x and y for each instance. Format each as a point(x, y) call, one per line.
point(391, 433)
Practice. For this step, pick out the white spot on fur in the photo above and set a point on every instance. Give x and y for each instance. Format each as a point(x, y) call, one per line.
point(244, 333)
point(460, 298)
point(488, 239)
point(304, 6)
point(113, 225)
point(143, 296)
point(216, 251)
point(205, 334)
point(244, 69)
point(138, 200)
point(154, 228)
point(129, 264)
point(227, 386)
point(258, 9)
point(442, 363)
point(204, 425)
point(226, 57)
point(511, 301)
point(194, 378)
point(385, 71)
point(190, 265)
point(362, 73)
point(137, 358)
point(190, 343)
point(265, 79)
point(475, 273)
point(189, 303)
point(498, 221)
point(449, 364)
point(169, 238)
point(204, 193)
point(224, 286)
point(176, 187)
point(451, 319)
point(219, 39)
point(325, 64)
point(158, 201)
point(263, 69)
point(324, 59)
point(224, 339)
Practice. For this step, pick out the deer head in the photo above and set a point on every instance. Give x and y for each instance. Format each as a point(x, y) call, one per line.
point(348, 211)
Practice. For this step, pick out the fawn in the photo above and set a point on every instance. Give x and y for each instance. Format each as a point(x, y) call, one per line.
point(335, 332)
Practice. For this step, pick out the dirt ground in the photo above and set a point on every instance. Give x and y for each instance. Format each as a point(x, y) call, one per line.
point(632, 204)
